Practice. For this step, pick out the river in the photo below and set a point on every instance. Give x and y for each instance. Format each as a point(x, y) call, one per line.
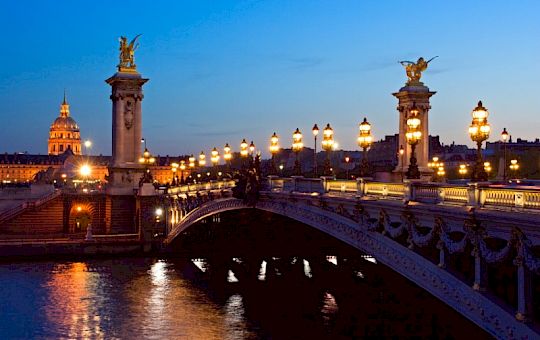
point(152, 298)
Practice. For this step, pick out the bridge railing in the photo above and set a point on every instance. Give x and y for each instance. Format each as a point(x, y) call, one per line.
point(473, 194)
point(206, 186)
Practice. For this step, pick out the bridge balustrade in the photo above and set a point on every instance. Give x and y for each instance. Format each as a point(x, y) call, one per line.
point(445, 232)
point(473, 194)
point(205, 186)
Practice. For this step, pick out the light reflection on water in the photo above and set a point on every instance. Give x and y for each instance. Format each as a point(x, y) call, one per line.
point(133, 299)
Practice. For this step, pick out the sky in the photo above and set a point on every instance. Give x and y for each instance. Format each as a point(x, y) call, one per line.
point(221, 71)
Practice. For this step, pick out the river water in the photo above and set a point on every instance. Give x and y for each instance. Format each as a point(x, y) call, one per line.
point(151, 298)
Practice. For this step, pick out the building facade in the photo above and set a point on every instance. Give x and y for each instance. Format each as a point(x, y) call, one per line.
point(64, 133)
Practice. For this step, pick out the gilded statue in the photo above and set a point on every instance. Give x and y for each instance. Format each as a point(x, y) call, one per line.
point(414, 70)
point(127, 54)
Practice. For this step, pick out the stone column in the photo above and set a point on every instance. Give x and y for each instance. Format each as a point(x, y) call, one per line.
point(117, 150)
point(417, 94)
point(124, 170)
point(138, 127)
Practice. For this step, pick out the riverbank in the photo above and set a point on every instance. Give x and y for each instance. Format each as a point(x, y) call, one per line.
point(67, 248)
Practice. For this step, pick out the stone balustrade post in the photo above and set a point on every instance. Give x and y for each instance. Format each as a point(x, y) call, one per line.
point(325, 182)
point(408, 191)
point(361, 187)
point(480, 271)
point(524, 290)
point(271, 179)
point(442, 260)
point(440, 195)
point(296, 182)
point(473, 195)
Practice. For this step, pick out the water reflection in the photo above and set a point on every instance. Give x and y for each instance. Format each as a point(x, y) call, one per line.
point(73, 302)
point(161, 299)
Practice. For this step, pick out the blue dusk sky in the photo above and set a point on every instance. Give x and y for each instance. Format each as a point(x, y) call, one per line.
point(221, 71)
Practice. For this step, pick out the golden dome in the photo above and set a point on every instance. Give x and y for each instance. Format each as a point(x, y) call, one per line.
point(65, 124)
point(64, 134)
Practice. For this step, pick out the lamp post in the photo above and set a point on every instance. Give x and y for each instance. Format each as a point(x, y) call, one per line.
point(462, 170)
point(413, 135)
point(87, 146)
point(182, 169)
point(251, 148)
point(244, 150)
point(274, 148)
point(143, 141)
point(315, 131)
point(227, 155)
point(146, 159)
point(297, 146)
point(401, 153)
point(479, 132)
point(364, 141)
point(174, 168)
point(441, 172)
point(438, 168)
point(487, 167)
point(215, 158)
point(327, 145)
point(504, 139)
point(202, 159)
point(191, 164)
point(347, 160)
point(514, 166)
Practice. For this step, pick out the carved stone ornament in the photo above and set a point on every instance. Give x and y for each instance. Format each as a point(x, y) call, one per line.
point(128, 114)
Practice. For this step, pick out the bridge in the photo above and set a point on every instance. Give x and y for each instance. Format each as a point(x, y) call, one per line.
point(414, 228)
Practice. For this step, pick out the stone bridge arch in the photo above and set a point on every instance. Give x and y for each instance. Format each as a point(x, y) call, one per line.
point(440, 283)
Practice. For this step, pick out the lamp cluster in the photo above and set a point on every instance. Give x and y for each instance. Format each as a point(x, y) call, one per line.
point(413, 136)
point(479, 132)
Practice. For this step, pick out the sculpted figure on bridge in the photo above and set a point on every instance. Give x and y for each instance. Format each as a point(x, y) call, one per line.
point(414, 70)
point(127, 54)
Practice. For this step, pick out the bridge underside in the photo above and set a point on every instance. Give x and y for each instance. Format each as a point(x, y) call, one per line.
point(359, 233)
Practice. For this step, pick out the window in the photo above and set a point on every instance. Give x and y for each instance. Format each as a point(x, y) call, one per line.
point(54, 148)
point(61, 148)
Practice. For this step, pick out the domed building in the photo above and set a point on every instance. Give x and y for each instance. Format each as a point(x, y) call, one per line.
point(64, 133)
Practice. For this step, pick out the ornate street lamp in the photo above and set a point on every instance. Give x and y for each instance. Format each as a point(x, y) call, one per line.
point(327, 145)
point(364, 141)
point(514, 166)
point(251, 148)
point(347, 160)
point(274, 148)
point(215, 158)
point(315, 131)
point(462, 170)
point(147, 160)
point(297, 146)
point(504, 138)
point(438, 168)
point(202, 159)
point(182, 169)
point(401, 153)
point(487, 167)
point(413, 136)
point(244, 148)
point(174, 168)
point(479, 132)
point(191, 164)
point(227, 155)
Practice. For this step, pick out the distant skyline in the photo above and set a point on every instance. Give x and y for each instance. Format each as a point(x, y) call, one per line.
point(223, 71)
